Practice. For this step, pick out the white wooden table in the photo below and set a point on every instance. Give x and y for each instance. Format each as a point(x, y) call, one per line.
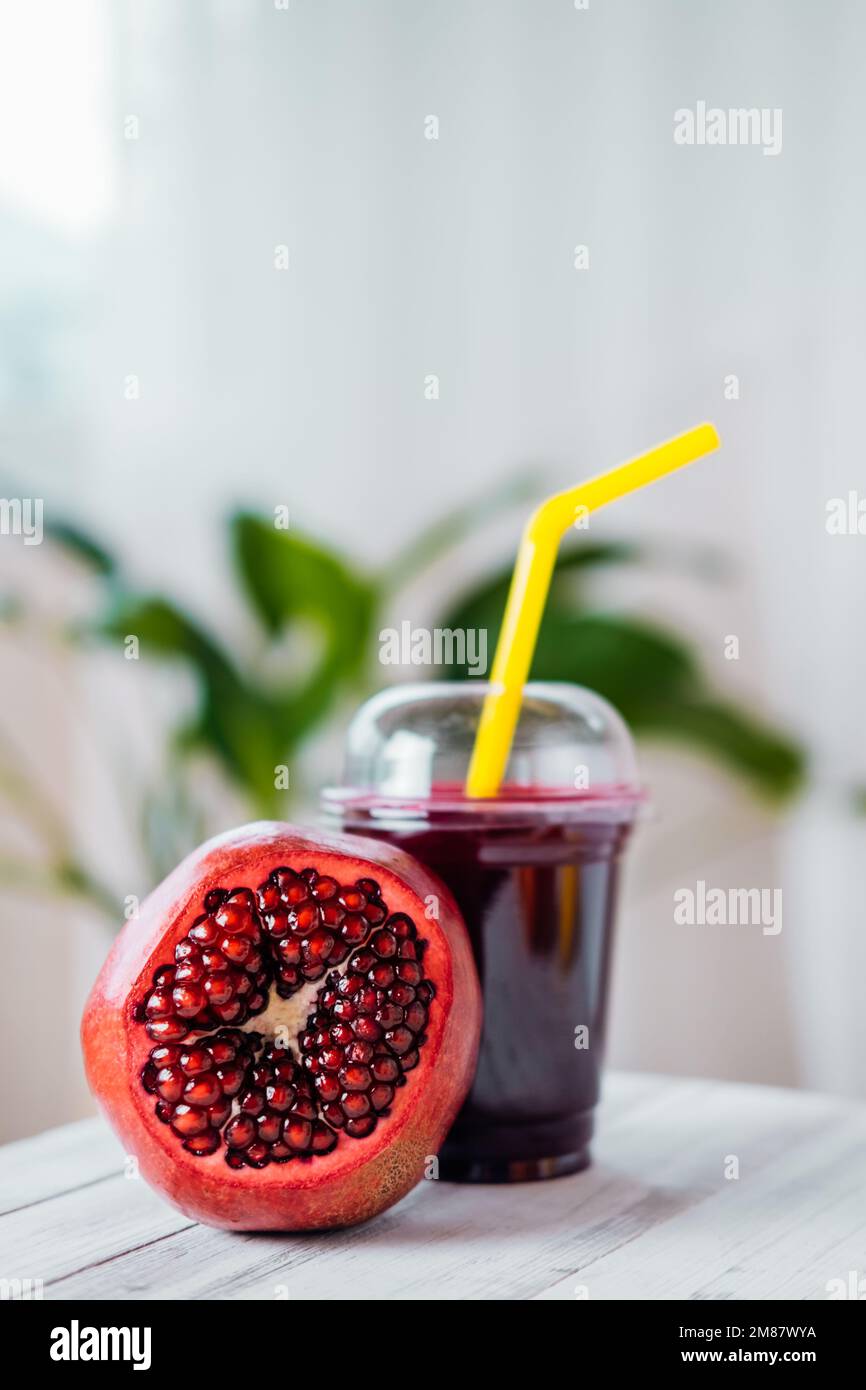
point(656, 1217)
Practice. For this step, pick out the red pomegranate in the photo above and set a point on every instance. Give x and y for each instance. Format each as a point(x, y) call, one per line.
point(285, 1033)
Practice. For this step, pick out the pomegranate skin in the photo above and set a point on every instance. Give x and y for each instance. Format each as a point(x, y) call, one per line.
point(360, 1177)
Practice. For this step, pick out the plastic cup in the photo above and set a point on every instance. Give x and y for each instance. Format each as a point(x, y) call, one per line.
point(535, 872)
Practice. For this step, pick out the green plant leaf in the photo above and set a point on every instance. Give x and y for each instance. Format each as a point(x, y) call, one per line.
point(649, 674)
point(288, 576)
point(630, 662)
point(441, 535)
point(773, 762)
point(483, 605)
point(82, 545)
point(234, 720)
point(289, 579)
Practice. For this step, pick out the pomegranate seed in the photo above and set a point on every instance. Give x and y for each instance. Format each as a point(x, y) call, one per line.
point(280, 1096)
point(297, 1133)
point(202, 1144)
point(381, 1097)
point(196, 1060)
point(368, 1030)
point(188, 1000)
point(385, 1068)
point(170, 1083)
point(219, 1113)
point(232, 918)
point(167, 1029)
point(355, 1104)
point(401, 994)
point(354, 930)
point(218, 987)
point(204, 932)
point(229, 1013)
point(359, 1042)
point(416, 1016)
point(359, 1129)
point(187, 1121)
point(252, 1102)
point(190, 972)
point(353, 899)
point(319, 946)
point(399, 1040)
point(202, 1090)
point(304, 918)
point(325, 887)
point(323, 1139)
point(389, 1016)
point(160, 1004)
point(384, 944)
point(241, 1132)
point(355, 1078)
point(367, 1000)
point(269, 1127)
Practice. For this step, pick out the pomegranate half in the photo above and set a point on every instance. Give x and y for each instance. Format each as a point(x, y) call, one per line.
point(285, 1033)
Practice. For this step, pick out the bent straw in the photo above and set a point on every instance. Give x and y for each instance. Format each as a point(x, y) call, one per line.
point(531, 580)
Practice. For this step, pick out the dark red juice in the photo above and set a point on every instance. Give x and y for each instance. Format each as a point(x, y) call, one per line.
point(537, 886)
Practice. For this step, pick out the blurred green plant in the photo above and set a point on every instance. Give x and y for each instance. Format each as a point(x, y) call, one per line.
point(254, 718)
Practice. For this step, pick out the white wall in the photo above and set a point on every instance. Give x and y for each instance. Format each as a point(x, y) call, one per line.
point(260, 127)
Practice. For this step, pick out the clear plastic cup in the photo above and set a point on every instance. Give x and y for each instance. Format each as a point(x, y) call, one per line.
point(535, 872)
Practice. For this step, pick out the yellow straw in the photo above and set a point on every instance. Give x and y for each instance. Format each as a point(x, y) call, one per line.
point(531, 580)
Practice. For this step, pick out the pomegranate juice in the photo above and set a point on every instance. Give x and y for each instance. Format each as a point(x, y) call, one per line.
point(537, 887)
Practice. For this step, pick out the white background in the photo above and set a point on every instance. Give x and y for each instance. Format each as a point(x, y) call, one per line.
point(260, 127)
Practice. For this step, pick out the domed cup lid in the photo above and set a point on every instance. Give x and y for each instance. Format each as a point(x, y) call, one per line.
point(409, 747)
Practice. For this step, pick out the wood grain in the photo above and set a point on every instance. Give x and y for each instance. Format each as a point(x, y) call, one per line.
point(656, 1216)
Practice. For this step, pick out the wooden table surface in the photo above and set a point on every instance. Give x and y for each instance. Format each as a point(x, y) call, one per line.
point(656, 1217)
